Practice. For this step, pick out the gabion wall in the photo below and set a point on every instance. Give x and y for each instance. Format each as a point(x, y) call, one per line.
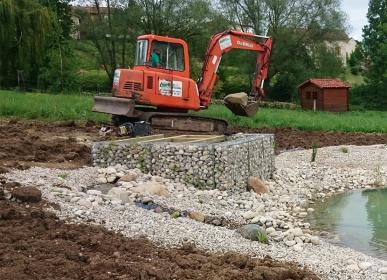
point(224, 165)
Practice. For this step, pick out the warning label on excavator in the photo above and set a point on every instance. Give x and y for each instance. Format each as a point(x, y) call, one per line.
point(225, 42)
point(165, 88)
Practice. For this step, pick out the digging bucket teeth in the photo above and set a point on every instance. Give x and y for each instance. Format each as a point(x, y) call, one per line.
point(114, 106)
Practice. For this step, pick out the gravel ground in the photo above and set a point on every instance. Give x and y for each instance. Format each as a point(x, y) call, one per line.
point(296, 182)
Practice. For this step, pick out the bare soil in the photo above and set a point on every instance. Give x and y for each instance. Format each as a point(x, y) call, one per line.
point(35, 244)
point(290, 138)
point(36, 143)
point(67, 144)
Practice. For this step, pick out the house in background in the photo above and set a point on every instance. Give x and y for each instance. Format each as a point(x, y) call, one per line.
point(80, 11)
point(340, 44)
point(324, 95)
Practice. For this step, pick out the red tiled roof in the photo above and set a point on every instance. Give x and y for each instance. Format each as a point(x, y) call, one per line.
point(326, 83)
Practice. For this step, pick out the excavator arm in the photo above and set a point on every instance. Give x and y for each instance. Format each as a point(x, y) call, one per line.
point(224, 42)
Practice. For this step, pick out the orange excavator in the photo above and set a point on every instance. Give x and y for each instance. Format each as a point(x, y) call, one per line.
point(158, 90)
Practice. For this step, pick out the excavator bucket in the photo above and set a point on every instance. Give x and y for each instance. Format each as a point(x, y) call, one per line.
point(238, 104)
point(114, 106)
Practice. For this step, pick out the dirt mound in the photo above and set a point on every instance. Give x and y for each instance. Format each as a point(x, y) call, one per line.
point(36, 245)
point(25, 143)
point(288, 138)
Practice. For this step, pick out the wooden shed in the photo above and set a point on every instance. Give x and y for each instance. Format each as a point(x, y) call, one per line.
point(324, 95)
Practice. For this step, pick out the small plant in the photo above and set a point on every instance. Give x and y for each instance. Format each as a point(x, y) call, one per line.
point(63, 176)
point(379, 182)
point(176, 214)
point(314, 153)
point(262, 237)
point(344, 150)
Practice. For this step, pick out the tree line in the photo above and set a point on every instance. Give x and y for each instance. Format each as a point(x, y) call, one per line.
point(36, 43)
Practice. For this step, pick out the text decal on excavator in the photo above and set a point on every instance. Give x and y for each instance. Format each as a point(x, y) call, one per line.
point(165, 88)
point(225, 42)
point(245, 44)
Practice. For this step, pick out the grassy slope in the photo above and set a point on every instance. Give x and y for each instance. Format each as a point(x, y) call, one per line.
point(76, 107)
point(48, 106)
point(368, 121)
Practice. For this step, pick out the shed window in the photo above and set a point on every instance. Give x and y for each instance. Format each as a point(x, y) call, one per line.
point(314, 95)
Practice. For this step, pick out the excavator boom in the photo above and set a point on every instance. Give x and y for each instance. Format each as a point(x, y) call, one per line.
point(222, 43)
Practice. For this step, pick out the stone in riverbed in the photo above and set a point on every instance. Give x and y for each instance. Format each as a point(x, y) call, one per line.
point(84, 202)
point(118, 194)
point(197, 216)
point(353, 268)
point(93, 192)
point(270, 230)
point(297, 248)
point(365, 265)
point(27, 194)
point(297, 232)
point(111, 170)
point(152, 188)
point(128, 178)
point(383, 270)
point(251, 231)
point(256, 184)
point(290, 243)
point(315, 240)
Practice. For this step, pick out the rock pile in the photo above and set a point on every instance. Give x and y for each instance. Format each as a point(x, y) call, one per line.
point(280, 211)
point(224, 165)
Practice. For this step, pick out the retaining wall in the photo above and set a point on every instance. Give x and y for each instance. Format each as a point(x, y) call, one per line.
point(224, 165)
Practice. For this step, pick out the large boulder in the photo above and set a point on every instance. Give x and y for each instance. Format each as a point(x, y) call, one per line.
point(128, 178)
point(27, 194)
point(252, 232)
point(118, 194)
point(237, 98)
point(197, 216)
point(151, 188)
point(256, 184)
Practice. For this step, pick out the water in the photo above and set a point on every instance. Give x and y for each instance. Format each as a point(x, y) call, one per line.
point(358, 218)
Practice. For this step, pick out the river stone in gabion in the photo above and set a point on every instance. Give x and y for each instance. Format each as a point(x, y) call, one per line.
point(224, 165)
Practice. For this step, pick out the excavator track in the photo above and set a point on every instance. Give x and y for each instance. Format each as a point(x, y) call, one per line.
point(185, 122)
point(128, 112)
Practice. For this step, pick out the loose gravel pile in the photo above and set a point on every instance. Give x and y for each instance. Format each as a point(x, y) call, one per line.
point(281, 211)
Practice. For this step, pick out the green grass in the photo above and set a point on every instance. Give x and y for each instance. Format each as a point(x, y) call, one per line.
point(48, 106)
point(364, 121)
point(78, 107)
point(353, 80)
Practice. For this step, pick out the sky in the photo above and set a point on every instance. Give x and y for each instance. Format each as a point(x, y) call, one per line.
point(357, 16)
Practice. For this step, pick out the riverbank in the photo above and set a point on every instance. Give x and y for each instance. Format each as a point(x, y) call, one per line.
point(296, 183)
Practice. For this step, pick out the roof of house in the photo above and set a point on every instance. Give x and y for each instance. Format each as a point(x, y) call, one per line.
point(326, 83)
point(91, 10)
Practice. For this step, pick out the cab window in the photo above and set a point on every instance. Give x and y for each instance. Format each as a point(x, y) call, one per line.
point(141, 50)
point(167, 55)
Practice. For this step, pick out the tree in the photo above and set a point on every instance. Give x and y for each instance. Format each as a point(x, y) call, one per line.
point(356, 59)
point(375, 43)
point(113, 31)
point(298, 28)
point(24, 25)
point(117, 26)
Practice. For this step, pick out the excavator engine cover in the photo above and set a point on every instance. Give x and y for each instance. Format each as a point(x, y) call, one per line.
point(238, 104)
